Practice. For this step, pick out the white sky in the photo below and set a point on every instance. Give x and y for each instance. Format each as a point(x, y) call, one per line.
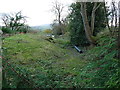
point(38, 11)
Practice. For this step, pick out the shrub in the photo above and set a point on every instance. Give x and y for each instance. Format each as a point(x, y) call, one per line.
point(48, 31)
point(6, 30)
point(102, 70)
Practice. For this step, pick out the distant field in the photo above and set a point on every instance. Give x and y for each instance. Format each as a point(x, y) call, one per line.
point(46, 64)
point(42, 27)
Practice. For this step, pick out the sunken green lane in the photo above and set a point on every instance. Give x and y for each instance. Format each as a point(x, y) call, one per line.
point(43, 62)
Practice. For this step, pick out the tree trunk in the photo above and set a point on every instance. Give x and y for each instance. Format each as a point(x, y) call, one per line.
point(119, 15)
point(119, 31)
point(59, 21)
point(59, 17)
point(112, 15)
point(93, 17)
point(86, 24)
point(115, 13)
point(106, 18)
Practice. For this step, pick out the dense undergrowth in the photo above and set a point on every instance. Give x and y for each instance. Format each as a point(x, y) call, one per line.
point(102, 71)
point(52, 65)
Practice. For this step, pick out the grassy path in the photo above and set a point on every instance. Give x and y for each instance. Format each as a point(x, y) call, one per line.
point(46, 64)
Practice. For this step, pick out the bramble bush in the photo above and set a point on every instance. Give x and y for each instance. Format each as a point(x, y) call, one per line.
point(102, 69)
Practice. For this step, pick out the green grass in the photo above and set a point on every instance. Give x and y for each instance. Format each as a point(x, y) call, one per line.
point(57, 65)
point(46, 64)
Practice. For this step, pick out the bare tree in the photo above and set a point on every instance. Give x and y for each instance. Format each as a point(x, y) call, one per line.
point(14, 21)
point(106, 17)
point(119, 31)
point(57, 8)
point(5, 19)
point(119, 15)
point(114, 12)
point(89, 30)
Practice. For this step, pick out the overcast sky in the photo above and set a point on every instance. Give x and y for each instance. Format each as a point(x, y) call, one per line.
point(38, 11)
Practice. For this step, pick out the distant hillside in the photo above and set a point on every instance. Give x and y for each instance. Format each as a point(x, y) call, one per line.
point(42, 27)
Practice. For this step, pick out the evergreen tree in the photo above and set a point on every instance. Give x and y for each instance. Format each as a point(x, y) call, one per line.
point(76, 27)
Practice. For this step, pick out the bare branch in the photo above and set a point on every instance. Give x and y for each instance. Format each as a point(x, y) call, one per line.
point(96, 7)
point(57, 8)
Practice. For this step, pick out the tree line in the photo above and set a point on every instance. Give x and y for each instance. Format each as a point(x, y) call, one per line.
point(86, 20)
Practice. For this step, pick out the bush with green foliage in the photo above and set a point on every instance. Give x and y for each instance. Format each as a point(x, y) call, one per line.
point(48, 31)
point(76, 26)
point(24, 29)
point(102, 70)
point(57, 29)
point(6, 30)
